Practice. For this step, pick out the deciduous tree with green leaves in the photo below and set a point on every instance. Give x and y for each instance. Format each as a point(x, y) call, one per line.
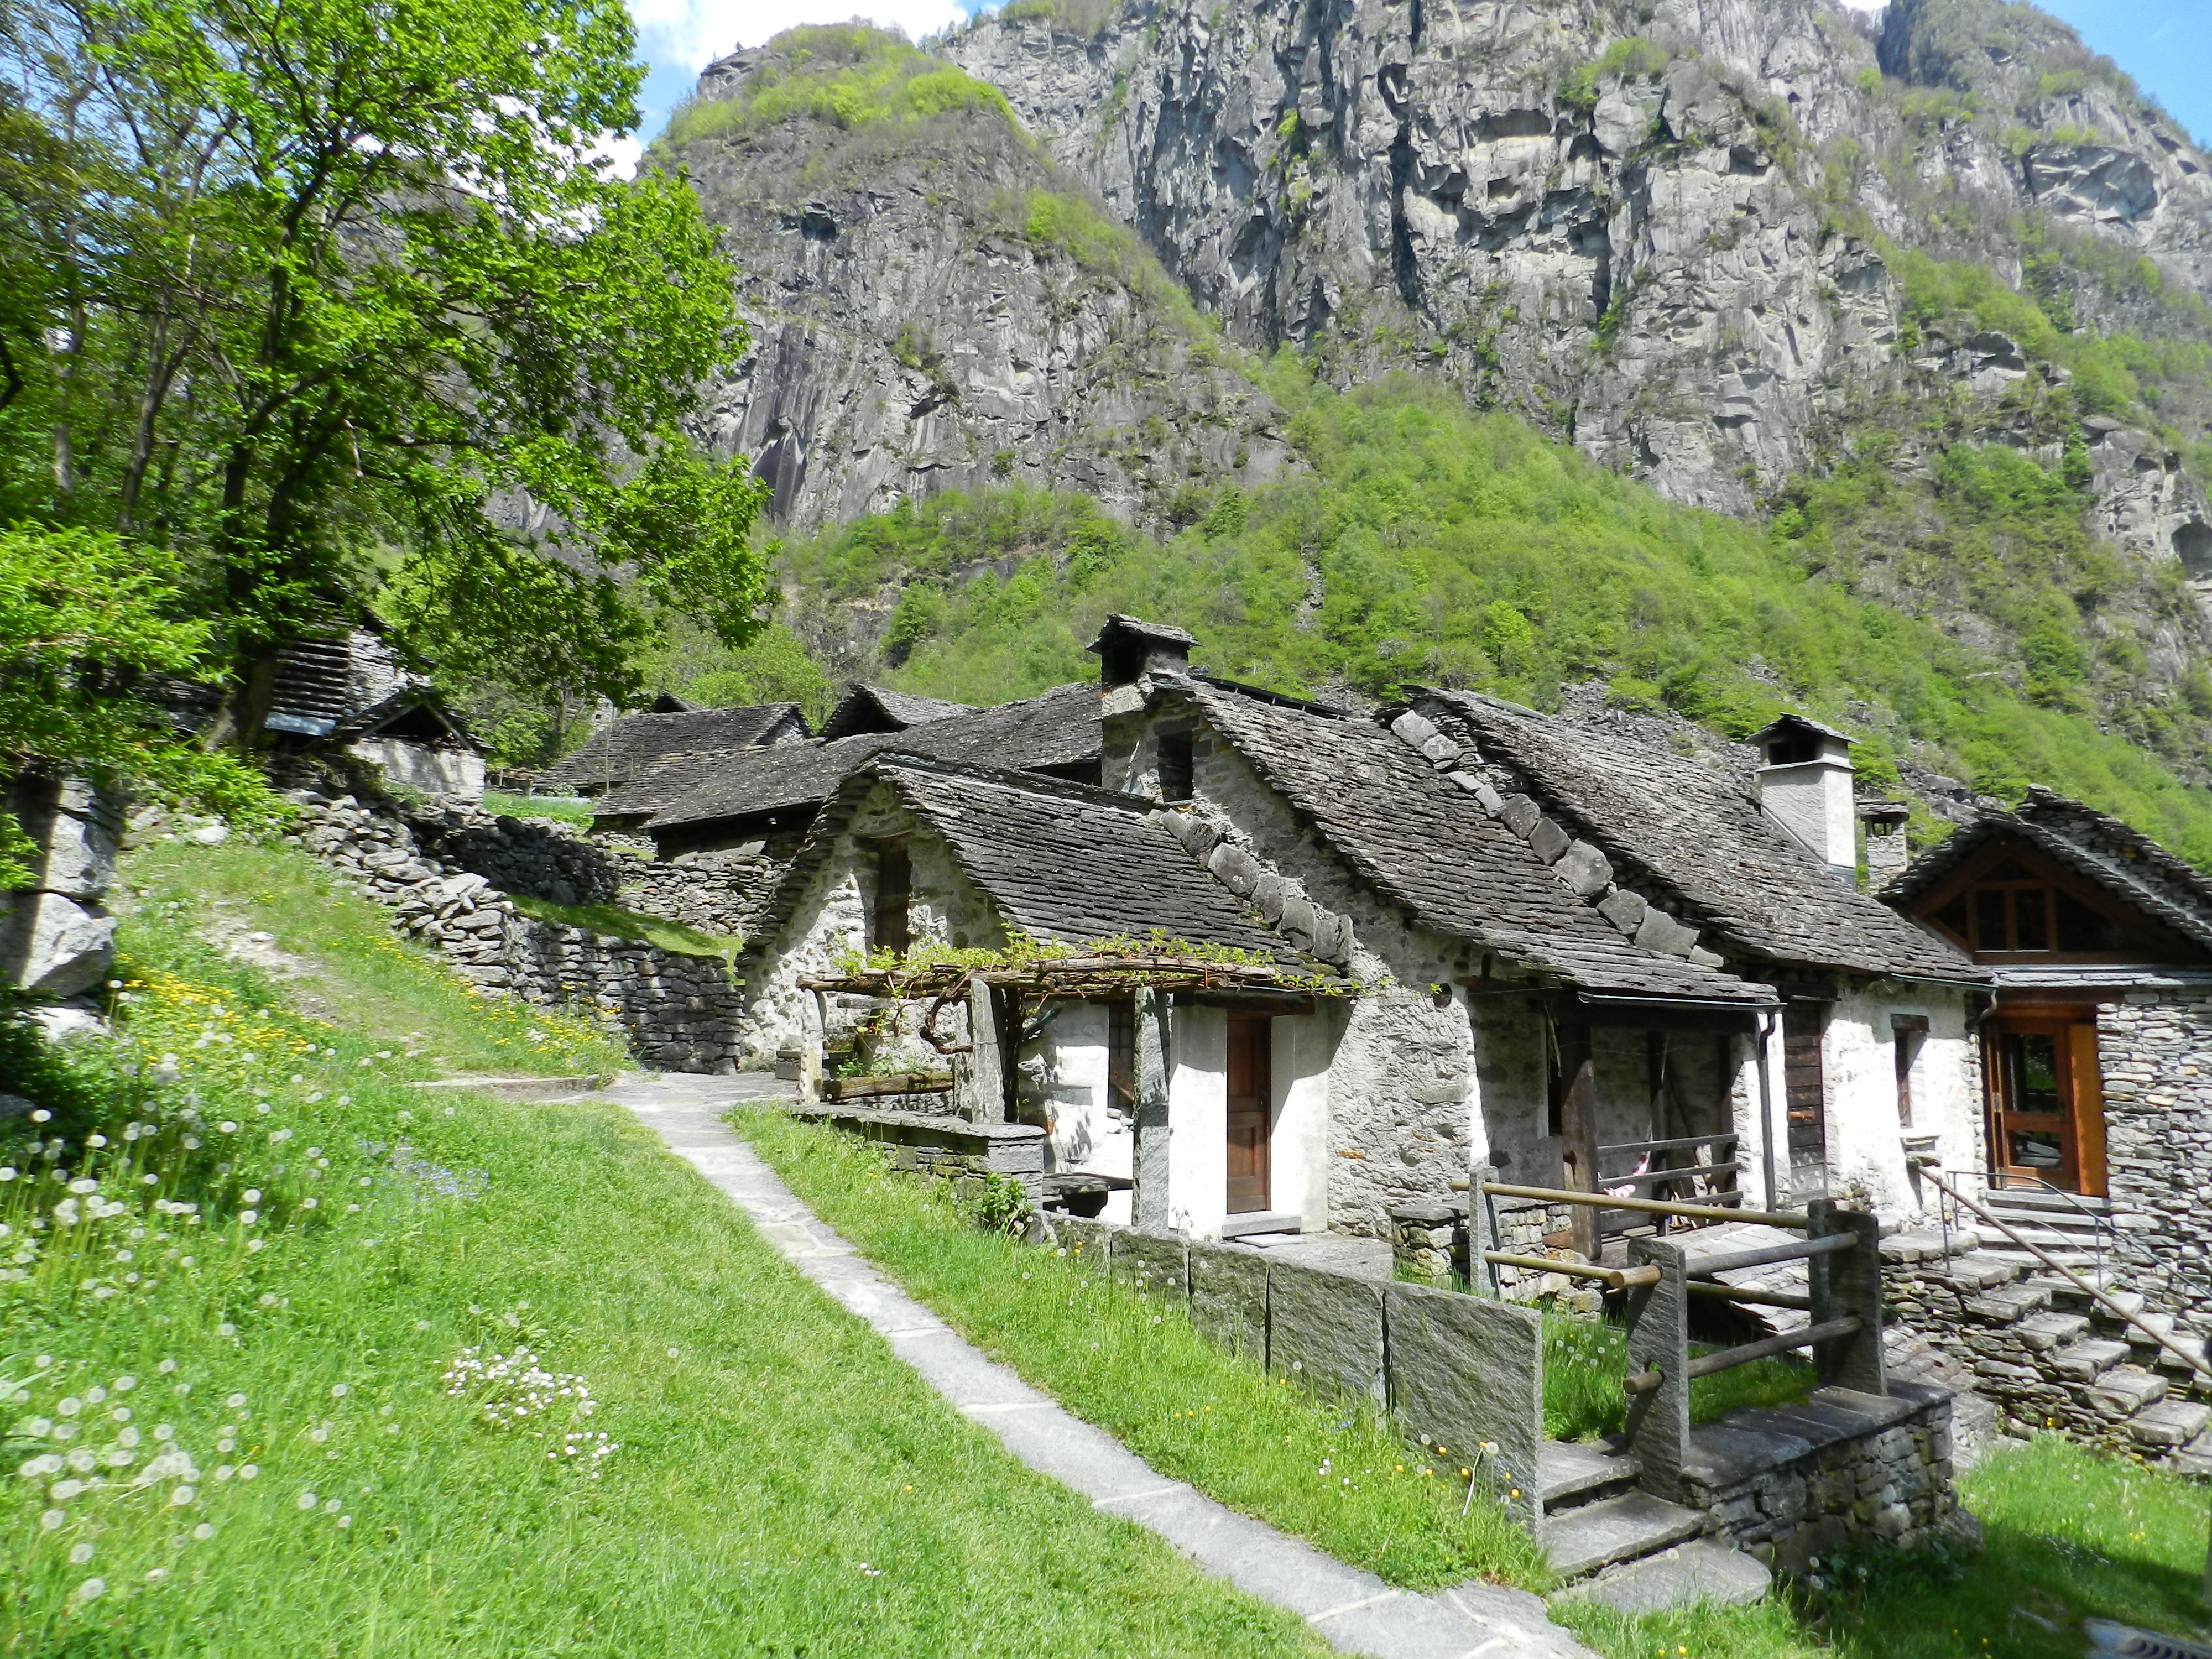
point(331, 301)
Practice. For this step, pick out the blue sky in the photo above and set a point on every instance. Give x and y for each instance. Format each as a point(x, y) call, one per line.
point(2167, 44)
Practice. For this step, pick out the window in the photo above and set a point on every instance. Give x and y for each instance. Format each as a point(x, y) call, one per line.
point(1804, 1083)
point(1909, 1030)
point(2014, 910)
point(1174, 751)
point(1794, 749)
point(888, 916)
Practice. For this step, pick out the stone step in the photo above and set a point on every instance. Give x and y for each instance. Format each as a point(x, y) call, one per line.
point(1261, 1221)
point(1635, 1525)
point(2084, 1362)
point(2125, 1392)
point(1570, 1474)
point(2047, 1331)
point(2064, 1252)
point(2008, 1305)
point(1700, 1570)
point(1979, 1270)
point(2169, 1424)
point(2001, 1199)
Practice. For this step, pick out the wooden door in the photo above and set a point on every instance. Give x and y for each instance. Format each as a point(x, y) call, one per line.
point(1805, 1091)
point(1251, 1100)
point(2046, 1111)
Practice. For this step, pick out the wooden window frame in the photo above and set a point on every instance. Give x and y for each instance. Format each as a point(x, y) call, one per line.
point(889, 854)
point(2157, 944)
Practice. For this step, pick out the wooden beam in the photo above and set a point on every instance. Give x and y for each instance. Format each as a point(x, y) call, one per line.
point(1578, 1108)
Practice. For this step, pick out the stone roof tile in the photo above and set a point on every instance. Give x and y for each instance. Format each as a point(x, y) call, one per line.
point(634, 744)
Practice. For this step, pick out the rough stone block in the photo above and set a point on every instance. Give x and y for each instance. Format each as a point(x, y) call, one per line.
point(1236, 869)
point(1584, 869)
point(1325, 1330)
point(1441, 751)
point(1680, 1577)
point(1624, 910)
point(1660, 932)
point(1228, 1296)
point(1547, 840)
point(1412, 728)
point(1519, 814)
point(1466, 1371)
point(1152, 1262)
point(1089, 1244)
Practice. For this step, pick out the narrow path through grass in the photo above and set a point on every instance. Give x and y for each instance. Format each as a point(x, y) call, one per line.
point(284, 1459)
point(1134, 1365)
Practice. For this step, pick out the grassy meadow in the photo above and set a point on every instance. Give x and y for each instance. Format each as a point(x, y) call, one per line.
point(297, 1363)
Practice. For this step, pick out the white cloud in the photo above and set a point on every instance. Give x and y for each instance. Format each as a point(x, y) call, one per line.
point(696, 31)
point(624, 153)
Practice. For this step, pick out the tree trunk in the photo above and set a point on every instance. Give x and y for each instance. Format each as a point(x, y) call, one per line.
point(248, 701)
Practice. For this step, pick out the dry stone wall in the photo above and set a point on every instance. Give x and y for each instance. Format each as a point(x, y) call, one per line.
point(677, 1012)
point(2151, 1048)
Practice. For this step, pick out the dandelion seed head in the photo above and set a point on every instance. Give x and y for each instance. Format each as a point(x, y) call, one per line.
point(203, 1532)
point(306, 1500)
point(52, 1519)
point(91, 1589)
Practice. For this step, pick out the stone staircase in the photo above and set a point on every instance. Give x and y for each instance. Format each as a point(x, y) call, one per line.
point(2048, 1356)
point(1595, 1517)
point(2064, 1226)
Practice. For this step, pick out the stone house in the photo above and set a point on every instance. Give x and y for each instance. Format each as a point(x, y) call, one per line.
point(629, 747)
point(878, 708)
point(1871, 1059)
point(2098, 1051)
point(929, 858)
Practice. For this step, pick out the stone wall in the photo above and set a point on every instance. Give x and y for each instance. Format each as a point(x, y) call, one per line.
point(942, 1146)
point(2045, 1354)
point(2155, 1048)
point(720, 892)
point(678, 1012)
point(535, 856)
point(1840, 1468)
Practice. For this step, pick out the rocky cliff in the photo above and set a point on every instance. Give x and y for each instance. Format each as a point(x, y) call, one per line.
point(933, 305)
point(1656, 229)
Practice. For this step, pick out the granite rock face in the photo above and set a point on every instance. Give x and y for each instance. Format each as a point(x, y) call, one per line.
point(56, 939)
point(934, 306)
point(1621, 223)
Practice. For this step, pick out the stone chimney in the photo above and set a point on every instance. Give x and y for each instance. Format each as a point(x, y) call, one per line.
point(1129, 649)
point(1886, 854)
point(1806, 787)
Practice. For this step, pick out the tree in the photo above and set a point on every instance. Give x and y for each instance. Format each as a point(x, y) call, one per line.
point(329, 299)
point(85, 618)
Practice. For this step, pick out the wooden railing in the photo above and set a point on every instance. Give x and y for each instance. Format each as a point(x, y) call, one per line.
point(1842, 1257)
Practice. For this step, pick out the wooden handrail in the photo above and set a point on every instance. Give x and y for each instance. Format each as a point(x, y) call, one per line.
point(1745, 1293)
point(1728, 1359)
point(1681, 1146)
point(1705, 1266)
point(1615, 1278)
point(1791, 1219)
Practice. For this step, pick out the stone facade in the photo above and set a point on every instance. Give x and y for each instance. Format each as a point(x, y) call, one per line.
point(717, 892)
point(2154, 1050)
point(933, 1144)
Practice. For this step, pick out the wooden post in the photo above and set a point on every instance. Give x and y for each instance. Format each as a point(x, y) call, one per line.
point(1848, 1282)
point(1578, 1131)
point(1481, 1233)
point(979, 1077)
point(1659, 1340)
point(1149, 1202)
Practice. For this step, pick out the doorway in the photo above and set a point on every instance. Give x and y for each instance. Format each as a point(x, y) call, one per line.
point(1251, 1111)
point(2046, 1109)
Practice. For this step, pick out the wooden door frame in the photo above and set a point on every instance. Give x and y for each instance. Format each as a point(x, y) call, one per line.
point(1240, 1020)
point(2081, 1104)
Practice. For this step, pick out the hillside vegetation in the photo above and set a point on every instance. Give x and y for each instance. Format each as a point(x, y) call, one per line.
point(1433, 546)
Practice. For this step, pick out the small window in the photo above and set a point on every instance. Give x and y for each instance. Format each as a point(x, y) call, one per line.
point(1175, 749)
point(2030, 929)
point(1952, 918)
point(1793, 750)
point(888, 917)
point(1121, 1058)
point(2081, 928)
point(1990, 930)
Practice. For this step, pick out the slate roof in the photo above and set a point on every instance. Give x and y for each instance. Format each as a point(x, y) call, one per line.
point(633, 744)
point(1062, 862)
point(879, 708)
point(1695, 841)
point(1423, 842)
point(667, 782)
point(2096, 846)
point(1057, 728)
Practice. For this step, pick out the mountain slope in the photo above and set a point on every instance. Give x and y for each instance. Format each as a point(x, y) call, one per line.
point(933, 305)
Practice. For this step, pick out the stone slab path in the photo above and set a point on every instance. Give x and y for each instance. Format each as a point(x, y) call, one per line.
point(1353, 1612)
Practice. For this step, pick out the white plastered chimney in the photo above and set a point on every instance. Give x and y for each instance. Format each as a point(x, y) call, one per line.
point(1806, 787)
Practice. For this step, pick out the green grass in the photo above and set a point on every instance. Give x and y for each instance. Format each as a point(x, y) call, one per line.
point(845, 74)
point(348, 966)
point(783, 1484)
point(671, 936)
point(1134, 1366)
point(559, 810)
point(1584, 1360)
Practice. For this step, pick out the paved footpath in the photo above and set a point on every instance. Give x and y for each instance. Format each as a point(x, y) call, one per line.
point(1353, 1612)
